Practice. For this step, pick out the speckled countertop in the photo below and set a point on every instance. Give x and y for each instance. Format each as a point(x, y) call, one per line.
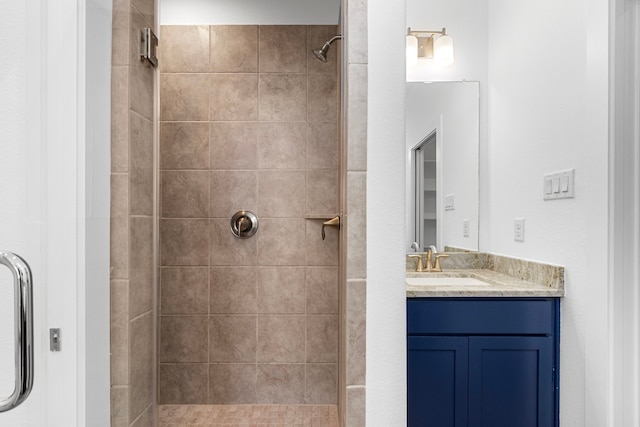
point(506, 277)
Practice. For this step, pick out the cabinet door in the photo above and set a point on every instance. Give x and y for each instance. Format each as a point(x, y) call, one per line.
point(511, 382)
point(437, 381)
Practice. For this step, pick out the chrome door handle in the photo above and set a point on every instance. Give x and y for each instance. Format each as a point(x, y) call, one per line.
point(23, 314)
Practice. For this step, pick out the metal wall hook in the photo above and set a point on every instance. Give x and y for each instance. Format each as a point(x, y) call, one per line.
point(244, 224)
point(333, 222)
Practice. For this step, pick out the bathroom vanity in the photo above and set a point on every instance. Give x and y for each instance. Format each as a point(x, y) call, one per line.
point(485, 351)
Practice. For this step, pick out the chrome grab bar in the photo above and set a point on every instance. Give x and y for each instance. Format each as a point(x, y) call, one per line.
point(23, 315)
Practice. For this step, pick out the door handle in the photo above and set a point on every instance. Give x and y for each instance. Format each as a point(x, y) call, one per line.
point(23, 315)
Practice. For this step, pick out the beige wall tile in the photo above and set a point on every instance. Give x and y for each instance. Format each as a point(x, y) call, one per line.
point(184, 241)
point(358, 32)
point(146, 419)
point(183, 339)
point(140, 291)
point(356, 405)
point(184, 290)
point(184, 49)
point(141, 242)
point(121, 14)
point(141, 73)
point(232, 338)
point(281, 290)
point(281, 241)
point(357, 118)
point(356, 331)
point(282, 145)
point(321, 383)
point(120, 118)
point(322, 98)
point(321, 252)
point(183, 383)
point(322, 338)
point(234, 48)
point(233, 290)
point(282, 97)
point(283, 48)
point(146, 8)
point(140, 165)
point(141, 365)
point(280, 383)
point(234, 97)
point(232, 384)
point(317, 36)
point(119, 332)
point(322, 145)
point(234, 145)
point(281, 338)
point(356, 227)
point(185, 194)
point(184, 145)
point(119, 242)
point(184, 97)
point(322, 290)
point(281, 194)
point(233, 191)
point(226, 249)
point(120, 402)
point(322, 192)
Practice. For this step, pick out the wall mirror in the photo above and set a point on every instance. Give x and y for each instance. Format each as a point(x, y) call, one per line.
point(442, 149)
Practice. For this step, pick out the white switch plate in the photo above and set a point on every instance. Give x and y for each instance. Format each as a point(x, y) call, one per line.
point(559, 185)
point(518, 229)
point(465, 228)
point(449, 202)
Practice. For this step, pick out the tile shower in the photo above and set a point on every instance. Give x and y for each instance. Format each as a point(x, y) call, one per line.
point(248, 121)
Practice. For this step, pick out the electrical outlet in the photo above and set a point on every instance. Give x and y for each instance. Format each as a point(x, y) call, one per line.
point(465, 228)
point(518, 229)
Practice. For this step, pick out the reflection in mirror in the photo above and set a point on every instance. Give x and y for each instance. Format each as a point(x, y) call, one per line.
point(442, 144)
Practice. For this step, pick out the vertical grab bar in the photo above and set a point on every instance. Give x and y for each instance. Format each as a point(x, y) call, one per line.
point(23, 315)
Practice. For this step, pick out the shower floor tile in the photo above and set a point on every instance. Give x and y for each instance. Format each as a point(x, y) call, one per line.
point(248, 415)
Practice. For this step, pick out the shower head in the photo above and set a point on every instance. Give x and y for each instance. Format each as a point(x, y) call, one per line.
point(321, 54)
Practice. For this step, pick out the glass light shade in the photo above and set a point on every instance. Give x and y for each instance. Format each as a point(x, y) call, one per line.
point(443, 50)
point(412, 50)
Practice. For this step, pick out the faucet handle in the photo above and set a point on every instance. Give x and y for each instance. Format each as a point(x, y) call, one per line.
point(438, 268)
point(419, 267)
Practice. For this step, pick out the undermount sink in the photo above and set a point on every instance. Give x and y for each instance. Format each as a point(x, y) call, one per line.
point(445, 281)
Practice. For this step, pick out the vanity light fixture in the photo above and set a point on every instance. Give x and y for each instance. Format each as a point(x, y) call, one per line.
point(436, 45)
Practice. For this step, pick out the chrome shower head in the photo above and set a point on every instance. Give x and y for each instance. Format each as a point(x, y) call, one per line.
point(321, 54)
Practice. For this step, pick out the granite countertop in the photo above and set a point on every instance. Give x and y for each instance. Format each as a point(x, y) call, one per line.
point(506, 277)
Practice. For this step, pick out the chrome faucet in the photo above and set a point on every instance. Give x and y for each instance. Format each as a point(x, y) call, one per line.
point(415, 246)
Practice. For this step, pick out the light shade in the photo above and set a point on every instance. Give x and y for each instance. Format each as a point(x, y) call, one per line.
point(412, 50)
point(443, 50)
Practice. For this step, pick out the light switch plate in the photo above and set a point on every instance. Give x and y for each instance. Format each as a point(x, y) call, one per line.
point(465, 228)
point(518, 229)
point(559, 185)
point(449, 202)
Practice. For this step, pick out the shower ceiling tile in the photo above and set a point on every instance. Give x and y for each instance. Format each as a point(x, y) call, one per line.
point(234, 48)
point(184, 49)
point(283, 48)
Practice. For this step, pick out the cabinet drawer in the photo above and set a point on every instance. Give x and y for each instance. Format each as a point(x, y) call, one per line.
point(481, 316)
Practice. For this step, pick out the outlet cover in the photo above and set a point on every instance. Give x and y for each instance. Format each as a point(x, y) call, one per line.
point(465, 228)
point(518, 229)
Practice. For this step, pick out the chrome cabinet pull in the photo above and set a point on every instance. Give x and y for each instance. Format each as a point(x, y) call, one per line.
point(23, 315)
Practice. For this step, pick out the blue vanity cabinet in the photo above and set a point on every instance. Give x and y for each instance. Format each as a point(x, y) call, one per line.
point(482, 362)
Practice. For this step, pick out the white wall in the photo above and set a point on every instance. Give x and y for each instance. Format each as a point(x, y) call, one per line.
point(256, 12)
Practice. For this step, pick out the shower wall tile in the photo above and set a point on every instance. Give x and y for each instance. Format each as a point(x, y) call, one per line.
point(321, 252)
point(322, 192)
point(184, 290)
point(184, 49)
point(282, 145)
point(140, 165)
point(321, 384)
point(234, 48)
point(184, 145)
point(356, 331)
point(322, 98)
point(317, 36)
point(232, 383)
point(281, 194)
point(357, 113)
point(119, 314)
point(141, 73)
point(120, 403)
point(183, 383)
point(227, 249)
point(119, 243)
point(233, 290)
point(120, 118)
point(183, 339)
point(322, 145)
point(356, 232)
point(232, 338)
point(322, 290)
point(283, 49)
point(281, 338)
point(140, 291)
point(281, 290)
point(185, 97)
point(141, 242)
point(120, 32)
point(357, 30)
point(185, 194)
point(234, 97)
point(141, 365)
point(282, 97)
point(146, 8)
point(146, 418)
point(281, 383)
point(234, 145)
point(184, 241)
point(233, 191)
point(322, 339)
point(356, 406)
point(281, 241)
